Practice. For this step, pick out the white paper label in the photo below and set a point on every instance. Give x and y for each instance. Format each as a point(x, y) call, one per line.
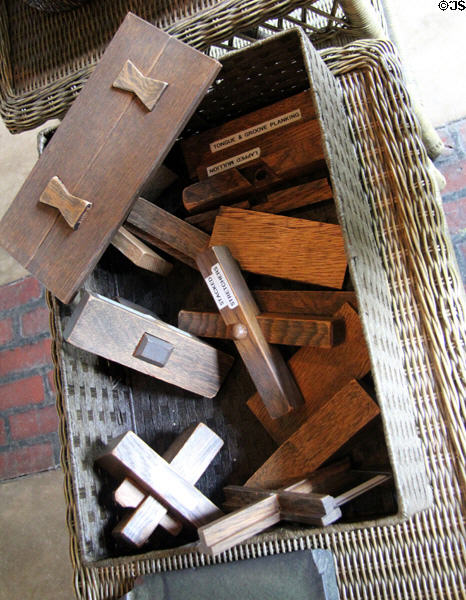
point(220, 288)
point(234, 161)
point(260, 129)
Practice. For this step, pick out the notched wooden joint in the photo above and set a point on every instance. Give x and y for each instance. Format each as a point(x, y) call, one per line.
point(146, 89)
point(71, 207)
point(153, 350)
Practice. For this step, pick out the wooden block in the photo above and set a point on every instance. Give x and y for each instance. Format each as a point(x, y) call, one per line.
point(264, 128)
point(167, 232)
point(300, 302)
point(148, 90)
point(104, 150)
point(128, 455)
point(71, 208)
point(285, 247)
point(265, 364)
point(190, 455)
point(320, 373)
point(277, 328)
point(221, 188)
point(139, 254)
point(205, 220)
point(114, 331)
point(320, 436)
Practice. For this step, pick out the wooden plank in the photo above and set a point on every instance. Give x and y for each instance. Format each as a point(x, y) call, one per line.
point(301, 302)
point(103, 151)
point(277, 328)
point(265, 364)
point(320, 436)
point(128, 455)
point(114, 331)
point(205, 220)
point(190, 455)
point(259, 128)
point(306, 251)
point(139, 254)
point(221, 188)
point(320, 373)
point(167, 232)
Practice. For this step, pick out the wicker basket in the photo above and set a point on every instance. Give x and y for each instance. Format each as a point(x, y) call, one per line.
point(55, 5)
point(388, 559)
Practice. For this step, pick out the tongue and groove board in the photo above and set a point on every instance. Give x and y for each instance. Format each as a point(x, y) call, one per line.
point(106, 147)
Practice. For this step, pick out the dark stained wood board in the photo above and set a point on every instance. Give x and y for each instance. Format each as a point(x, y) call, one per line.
point(320, 373)
point(303, 302)
point(197, 149)
point(105, 149)
point(295, 249)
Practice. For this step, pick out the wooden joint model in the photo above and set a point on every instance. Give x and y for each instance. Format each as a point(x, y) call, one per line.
point(258, 509)
point(189, 455)
point(140, 254)
point(130, 457)
point(70, 207)
point(268, 370)
point(143, 342)
point(148, 90)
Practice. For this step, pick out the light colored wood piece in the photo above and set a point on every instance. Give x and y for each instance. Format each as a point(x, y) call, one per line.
point(128, 495)
point(128, 455)
point(113, 331)
point(277, 328)
point(320, 436)
point(265, 364)
point(320, 373)
point(167, 232)
point(70, 207)
point(139, 254)
point(296, 249)
point(148, 90)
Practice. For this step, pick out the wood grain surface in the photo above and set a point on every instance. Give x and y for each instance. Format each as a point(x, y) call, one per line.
point(278, 328)
point(190, 455)
point(112, 330)
point(197, 149)
point(295, 249)
point(71, 208)
point(167, 232)
point(266, 366)
point(128, 455)
point(139, 254)
point(106, 147)
point(320, 436)
point(320, 373)
point(302, 302)
point(148, 90)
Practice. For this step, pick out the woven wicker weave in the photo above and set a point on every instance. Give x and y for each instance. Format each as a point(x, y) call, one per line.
point(424, 556)
point(54, 5)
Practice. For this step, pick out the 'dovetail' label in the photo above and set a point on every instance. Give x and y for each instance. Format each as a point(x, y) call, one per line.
point(260, 129)
point(220, 288)
point(234, 161)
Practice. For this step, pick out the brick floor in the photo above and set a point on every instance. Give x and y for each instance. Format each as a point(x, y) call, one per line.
point(28, 420)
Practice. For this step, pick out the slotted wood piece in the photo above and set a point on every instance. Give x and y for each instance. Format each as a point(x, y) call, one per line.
point(265, 364)
point(104, 150)
point(114, 331)
point(128, 455)
point(277, 328)
point(264, 128)
point(320, 436)
point(320, 373)
point(306, 251)
point(167, 232)
point(139, 254)
point(189, 455)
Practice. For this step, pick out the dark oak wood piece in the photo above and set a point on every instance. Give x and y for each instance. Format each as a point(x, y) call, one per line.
point(320, 436)
point(320, 373)
point(71, 208)
point(305, 302)
point(128, 455)
point(278, 328)
point(107, 146)
point(306, 251)
point(167, 232)
point(139, 254)
point(265, 364)
point(148, 90)
point(114, 331)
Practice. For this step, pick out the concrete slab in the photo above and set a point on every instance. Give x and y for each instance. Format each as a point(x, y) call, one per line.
point(35, 562)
